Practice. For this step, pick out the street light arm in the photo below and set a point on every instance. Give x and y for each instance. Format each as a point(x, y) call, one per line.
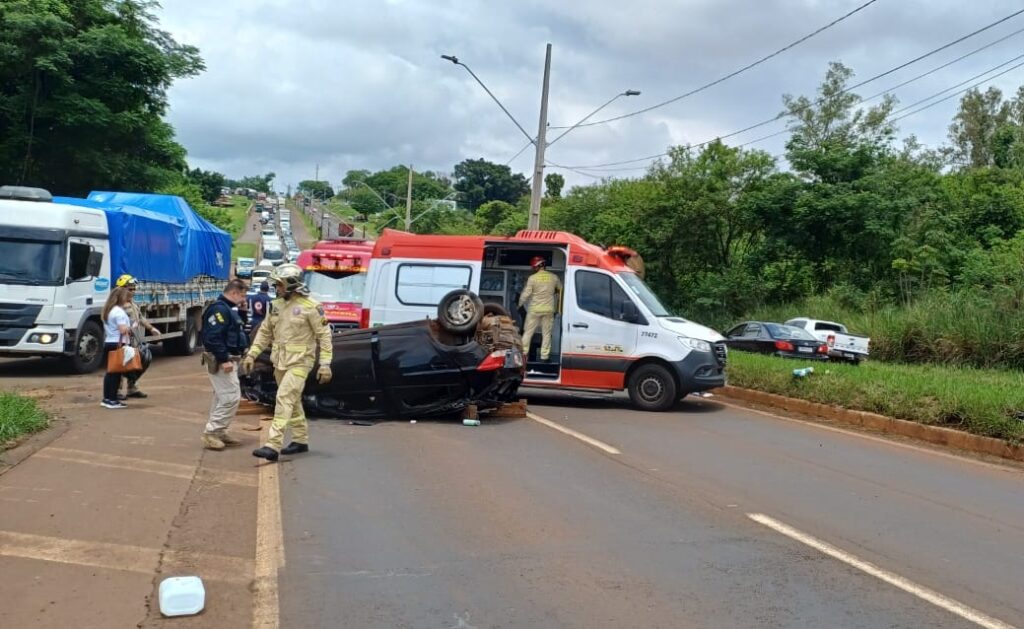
point(370, 188)
point(591, 114)
point(456, 61)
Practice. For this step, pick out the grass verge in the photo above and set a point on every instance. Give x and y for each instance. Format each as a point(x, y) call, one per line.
point(19, 416)
point(239, 213)
point(980, 401)
point(243, 250)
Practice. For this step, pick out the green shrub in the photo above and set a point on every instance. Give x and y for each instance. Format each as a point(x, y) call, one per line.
point(19, 416)
point(980, 401)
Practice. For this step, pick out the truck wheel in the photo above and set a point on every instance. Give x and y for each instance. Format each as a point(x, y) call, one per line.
point(187, 343)
point(89, 353)
point(652, 388)
point(460, 311)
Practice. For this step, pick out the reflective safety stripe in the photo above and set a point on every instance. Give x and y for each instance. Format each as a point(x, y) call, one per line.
point(299, 372)
point(295, 348)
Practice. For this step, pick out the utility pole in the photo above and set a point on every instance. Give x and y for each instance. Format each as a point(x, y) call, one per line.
point(538, 162)
point(408, 202)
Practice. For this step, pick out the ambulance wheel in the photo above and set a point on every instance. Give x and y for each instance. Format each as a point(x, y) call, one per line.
point(652, 388)
point(460, 311)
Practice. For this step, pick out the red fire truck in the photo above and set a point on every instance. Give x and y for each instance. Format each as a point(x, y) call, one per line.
point(335, 273)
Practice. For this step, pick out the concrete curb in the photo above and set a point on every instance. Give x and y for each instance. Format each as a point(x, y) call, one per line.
point(932, 434)
point(27, 446)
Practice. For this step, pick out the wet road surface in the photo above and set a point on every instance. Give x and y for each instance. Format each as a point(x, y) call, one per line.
point(514, 524)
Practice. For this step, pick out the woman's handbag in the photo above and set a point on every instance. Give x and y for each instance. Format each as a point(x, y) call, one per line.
point(119, 362)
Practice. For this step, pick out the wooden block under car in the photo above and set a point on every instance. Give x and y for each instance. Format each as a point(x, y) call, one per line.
point(510, 410)
point(251, 408)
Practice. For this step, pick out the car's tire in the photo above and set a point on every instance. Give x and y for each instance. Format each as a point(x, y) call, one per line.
point(460, 311)
point(188, 342)
point(496, 310)
point(652, 388)
point(89, 352)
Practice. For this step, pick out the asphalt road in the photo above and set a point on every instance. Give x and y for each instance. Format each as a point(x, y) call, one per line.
point(708, 516)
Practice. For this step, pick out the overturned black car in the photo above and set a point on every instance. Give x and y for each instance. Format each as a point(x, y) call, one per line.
point(470, 355)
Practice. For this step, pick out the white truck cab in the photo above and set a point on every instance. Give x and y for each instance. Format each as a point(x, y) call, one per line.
point(55, 277)
point(612, 332)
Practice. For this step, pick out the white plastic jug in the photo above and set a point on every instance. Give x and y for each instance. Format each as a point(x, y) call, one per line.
point(182, 596)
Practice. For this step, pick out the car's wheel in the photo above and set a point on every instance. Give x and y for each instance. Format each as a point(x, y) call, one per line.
point(495, 310)
point(460, 311)
point(88, 348)
point(652, 388)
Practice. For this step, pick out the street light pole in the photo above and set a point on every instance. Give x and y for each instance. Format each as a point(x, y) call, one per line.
point(540, 142)
point(538, 161)
point(408, 202)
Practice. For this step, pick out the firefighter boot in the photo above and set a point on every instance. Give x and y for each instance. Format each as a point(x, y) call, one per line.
point(266, 452)
point(295, 448)
point(211, 441)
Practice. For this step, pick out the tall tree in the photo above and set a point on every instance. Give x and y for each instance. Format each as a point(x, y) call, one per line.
point(979, 119)
point(479, 181)
point(553, 184)
point(316, 189)
point(209, 183)
point(833, 138)
point(82, 93)
point(259, 183)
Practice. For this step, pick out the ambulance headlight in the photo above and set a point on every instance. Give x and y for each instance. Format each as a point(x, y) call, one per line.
point(696, 345)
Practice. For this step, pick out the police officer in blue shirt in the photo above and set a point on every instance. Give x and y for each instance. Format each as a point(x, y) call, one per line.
point(224, 341)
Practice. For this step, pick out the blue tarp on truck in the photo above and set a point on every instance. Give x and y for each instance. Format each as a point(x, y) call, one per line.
point(159, 238)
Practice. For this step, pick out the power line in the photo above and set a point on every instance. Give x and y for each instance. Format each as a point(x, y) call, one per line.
point(733, 73)
point(525, 146)
point(898, 114)
point(963, 91)
point(845, 90)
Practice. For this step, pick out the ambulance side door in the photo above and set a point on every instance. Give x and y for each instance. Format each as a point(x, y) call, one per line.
point(600, 330)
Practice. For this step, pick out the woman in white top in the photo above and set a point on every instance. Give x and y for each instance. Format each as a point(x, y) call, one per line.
point(117, 326)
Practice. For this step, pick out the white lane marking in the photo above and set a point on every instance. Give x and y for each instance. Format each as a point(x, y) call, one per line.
point(870, 437)
point(600, 445)
point(269, 549)
point(939, 600)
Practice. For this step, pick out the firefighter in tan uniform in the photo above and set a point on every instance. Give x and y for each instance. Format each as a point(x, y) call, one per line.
point(540, 298)
point(293, 328)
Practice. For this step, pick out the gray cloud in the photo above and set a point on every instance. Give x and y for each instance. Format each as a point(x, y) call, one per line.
point(359, 84)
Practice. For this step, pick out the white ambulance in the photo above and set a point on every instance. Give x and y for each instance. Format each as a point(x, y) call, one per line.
point(612, 332)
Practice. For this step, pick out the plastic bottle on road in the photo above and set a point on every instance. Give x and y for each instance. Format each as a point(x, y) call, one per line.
point(471, 422)
point(803, 373)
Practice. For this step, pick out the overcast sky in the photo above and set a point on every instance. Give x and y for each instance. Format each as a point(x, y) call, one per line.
point(357, 84)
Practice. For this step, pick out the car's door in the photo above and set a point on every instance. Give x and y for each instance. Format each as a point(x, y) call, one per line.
point(756, 339)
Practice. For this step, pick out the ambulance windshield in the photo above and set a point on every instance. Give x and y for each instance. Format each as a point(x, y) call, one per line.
point(645, 294)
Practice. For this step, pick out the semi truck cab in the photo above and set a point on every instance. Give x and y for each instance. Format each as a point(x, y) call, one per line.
point(55, 278)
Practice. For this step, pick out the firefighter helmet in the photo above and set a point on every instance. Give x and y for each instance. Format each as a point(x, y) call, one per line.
point(126, 280)
point(290, 276)
point(537, 261)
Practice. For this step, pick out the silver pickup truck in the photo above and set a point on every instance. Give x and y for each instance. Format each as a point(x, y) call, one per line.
point(842, 345)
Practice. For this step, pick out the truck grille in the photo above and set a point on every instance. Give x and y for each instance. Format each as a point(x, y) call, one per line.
point(15, 320)
point(721, 354)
